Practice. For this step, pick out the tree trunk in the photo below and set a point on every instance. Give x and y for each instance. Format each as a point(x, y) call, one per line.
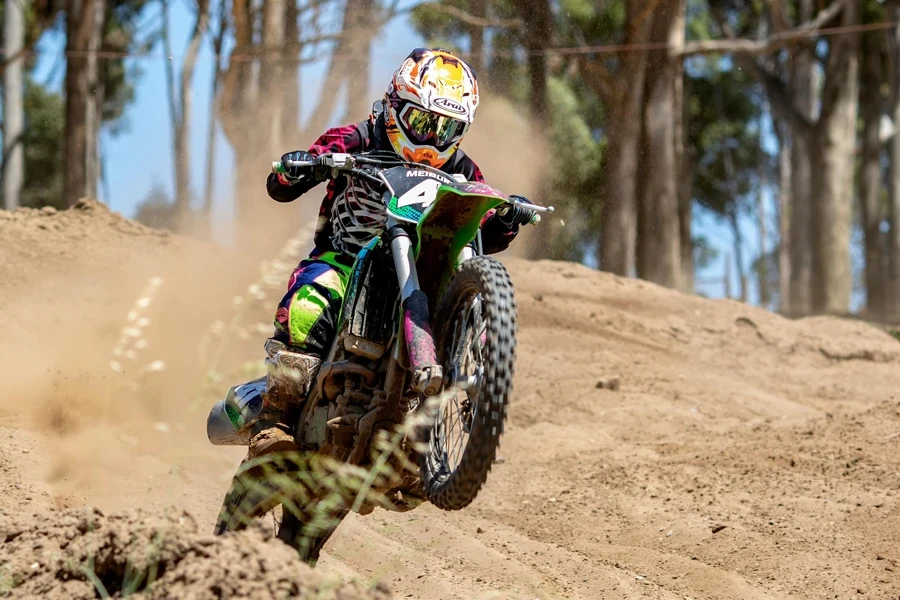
point(174, 111)
point(478, 9)
point(763, 278)
point(728, 276)
point(335, 76)
point(84, 28)
point(360, 31)
point(619, 172)
point(833, 164)
point(892, 300)
point(661, 252)
point(738, 241)
point(682, 186)
point(13, 104)
point(871, 216)
point(208, 187)
point(803, 85)
point(685, 216)
point(97, 17)
point(801, 244)
point(785, 183)
point(240, 90)
point(272, 85)
point(540, 18)
point(183, 120)
point(291, 96)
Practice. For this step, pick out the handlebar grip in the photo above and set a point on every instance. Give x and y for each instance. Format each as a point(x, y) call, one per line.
point(278, 166)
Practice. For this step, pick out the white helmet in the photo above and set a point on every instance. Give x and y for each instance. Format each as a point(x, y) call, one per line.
point(429, 106)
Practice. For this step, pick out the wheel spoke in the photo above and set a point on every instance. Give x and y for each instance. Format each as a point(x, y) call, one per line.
point(476, 319)
point(452, 427)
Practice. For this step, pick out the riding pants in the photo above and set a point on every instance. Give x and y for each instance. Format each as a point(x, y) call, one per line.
point(308, 314)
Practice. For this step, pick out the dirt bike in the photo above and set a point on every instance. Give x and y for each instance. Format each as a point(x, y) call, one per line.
point(425, 315)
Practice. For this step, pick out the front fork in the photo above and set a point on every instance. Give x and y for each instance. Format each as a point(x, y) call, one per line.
point(427, 374)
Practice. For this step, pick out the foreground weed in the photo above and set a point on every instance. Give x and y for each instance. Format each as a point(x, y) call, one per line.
point(319, 491)
point(132, 340)
point(92, 577)
point(8, 581)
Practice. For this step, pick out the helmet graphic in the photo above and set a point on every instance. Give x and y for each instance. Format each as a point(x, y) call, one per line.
point(429, 106)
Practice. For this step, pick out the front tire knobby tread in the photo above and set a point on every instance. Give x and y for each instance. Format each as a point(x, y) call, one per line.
point(458, 489)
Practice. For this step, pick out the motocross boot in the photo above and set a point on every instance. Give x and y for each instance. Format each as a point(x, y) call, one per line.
point(288, 379)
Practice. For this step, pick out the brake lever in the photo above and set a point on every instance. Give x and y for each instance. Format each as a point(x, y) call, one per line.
point(363, 174)
point(534, 208)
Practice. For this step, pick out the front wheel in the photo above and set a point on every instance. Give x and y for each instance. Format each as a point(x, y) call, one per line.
point(476, 342)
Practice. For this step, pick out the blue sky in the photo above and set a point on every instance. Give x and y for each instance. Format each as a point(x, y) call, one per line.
point(138, 160)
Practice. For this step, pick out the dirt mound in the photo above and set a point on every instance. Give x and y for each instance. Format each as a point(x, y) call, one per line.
point(84, 221)
point(659, 445)
point(81, 554)
point(35, 243)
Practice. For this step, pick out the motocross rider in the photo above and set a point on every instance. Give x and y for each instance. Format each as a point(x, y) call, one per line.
point(429, 105)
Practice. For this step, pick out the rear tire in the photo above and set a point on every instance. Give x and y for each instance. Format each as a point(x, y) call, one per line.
point(250, 496)
point(256, 491)
point(478, 309)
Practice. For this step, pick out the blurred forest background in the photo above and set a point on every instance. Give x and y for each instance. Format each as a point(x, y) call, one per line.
point(658, 121)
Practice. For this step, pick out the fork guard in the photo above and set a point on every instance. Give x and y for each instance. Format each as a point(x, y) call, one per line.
point(427, 373)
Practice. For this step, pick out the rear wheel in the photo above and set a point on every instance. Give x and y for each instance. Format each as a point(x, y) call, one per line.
point(476, 342)
point(251, 496)
point(261, 493)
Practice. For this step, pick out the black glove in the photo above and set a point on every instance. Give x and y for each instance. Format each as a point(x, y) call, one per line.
point(512, 216)
point(315, 173)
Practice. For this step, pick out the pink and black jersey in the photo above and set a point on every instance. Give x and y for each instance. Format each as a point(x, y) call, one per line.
point(351, 214)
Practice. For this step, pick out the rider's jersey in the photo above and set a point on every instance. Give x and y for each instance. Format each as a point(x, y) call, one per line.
point(351, 213)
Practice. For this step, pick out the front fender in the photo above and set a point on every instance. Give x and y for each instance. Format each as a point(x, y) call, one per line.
point(451, 222)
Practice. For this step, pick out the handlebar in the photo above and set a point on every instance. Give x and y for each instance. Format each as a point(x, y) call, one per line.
point(298, 163)
point(337, 161)
point(346, 163)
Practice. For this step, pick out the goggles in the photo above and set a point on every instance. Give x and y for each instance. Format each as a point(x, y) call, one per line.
point(428, 128)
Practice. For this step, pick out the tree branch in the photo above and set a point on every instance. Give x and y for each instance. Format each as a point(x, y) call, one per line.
point(174, 113)
point(842, 53)
point(391, 11)
point(598, 77)
point(779, 97)
point(779, 13)
point(769, 45)
point(278, 53)
point(595, 73)
point(639, 20)
point(465, 17)
point(19, 55)
point(190, 58)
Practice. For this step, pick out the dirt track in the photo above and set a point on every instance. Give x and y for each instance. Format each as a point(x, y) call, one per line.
point(742, 455)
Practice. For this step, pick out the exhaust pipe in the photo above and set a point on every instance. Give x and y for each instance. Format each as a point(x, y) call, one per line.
point(227, 422)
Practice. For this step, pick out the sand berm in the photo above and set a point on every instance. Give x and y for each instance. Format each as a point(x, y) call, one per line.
point(659, 445)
